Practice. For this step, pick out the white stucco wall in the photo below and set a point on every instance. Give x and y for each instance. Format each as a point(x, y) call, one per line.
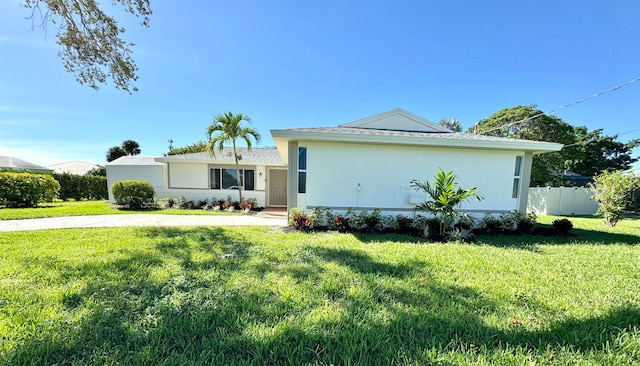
point(378, 176)
point(188, 175)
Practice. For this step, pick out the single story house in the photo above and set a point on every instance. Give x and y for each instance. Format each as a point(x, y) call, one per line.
point(364, 164)
point(199, 176)
point(73, 167)
point(12, 163)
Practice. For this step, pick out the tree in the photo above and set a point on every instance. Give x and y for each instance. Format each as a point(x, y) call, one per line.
point(444, 197)
point(114, 153)
point(131, 147)
point(91, 44)
point(227, 128)
point(597, 153)
point(612, 191)
point(451, 123)
point(199, 146)
point(529, 123)
point(128, 147)
point(100, 171)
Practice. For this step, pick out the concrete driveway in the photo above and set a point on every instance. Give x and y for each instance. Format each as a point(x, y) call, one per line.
point(140, 220)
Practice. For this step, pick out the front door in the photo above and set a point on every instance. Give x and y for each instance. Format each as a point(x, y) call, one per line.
point(277, 187)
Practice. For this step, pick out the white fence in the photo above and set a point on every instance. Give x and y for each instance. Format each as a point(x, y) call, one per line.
point(561, 201)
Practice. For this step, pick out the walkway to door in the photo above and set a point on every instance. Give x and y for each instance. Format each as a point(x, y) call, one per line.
point(273, 211)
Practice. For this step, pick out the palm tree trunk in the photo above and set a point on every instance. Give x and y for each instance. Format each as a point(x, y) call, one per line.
point(235, 155)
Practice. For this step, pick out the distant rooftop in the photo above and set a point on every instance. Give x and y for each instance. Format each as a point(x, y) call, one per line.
point(73, 167)
point(9, 162)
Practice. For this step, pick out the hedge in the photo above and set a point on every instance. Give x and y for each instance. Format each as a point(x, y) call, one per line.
point(19, 189)
point(80, 187)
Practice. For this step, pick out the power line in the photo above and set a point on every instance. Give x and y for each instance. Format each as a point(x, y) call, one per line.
point(567, 105)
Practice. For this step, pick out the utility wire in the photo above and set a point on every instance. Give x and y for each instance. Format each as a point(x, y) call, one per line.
point(566, 106)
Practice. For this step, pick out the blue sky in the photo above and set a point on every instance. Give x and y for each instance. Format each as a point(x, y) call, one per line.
point(291, 63)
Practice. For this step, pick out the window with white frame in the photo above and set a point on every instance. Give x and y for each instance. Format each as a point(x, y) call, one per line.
point(516, 177)
point(227, 178)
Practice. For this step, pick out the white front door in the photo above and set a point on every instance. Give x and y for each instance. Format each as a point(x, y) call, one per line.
point(277, 187)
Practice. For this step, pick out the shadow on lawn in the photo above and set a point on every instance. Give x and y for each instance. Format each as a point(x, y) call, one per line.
point(204, 314)
point(577, 236)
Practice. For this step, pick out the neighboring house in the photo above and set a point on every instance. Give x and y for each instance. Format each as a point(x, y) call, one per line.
point(576, 180)
point(73, 167)
point(364, 164)
point(11, 163)
point(200, 176)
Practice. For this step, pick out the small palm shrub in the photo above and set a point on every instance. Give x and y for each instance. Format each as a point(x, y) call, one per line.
point(133, 193)
point(444, 196)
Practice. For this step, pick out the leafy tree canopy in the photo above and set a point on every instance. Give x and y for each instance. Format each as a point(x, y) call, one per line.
point(546, 169)
point(586, 152)
point(451, 123)
point(100, 171)
point(91, 44)
point(597, 153)
point(131, 147)
point(199, 146)
point(128, 147)
point(114, 153)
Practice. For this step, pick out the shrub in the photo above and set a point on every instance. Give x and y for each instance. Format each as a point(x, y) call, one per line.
point(388, 223)
point(245, 205)
point(318, 217)
point(461, 235)
point(201, 203)
point(133, 193)
point(432, 229)
point(562, 226)
point(465, 222)
point(613, 191)
point(167, 203)
point(253, 202)
point(27, 189)
point(341, 223)
point(373, 220)
point(299, 219)
point(489, 225)
point(78, 187)
point(404, 224)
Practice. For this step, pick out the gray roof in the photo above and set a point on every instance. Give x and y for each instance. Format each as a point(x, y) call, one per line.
point(135, 160)
point(9, 162)
point(261, 155)
point(397, 133)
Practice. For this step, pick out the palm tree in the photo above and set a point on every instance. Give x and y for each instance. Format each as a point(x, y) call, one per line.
point(114, 153)
point(226, 128)
point(131, 147)
point(444, 196)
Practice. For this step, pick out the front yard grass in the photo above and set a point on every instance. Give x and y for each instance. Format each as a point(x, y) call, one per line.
point(256, 296)
point(85, 208)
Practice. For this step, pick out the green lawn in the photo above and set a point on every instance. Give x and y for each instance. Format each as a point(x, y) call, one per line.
point(237, 296)
point(84, 208)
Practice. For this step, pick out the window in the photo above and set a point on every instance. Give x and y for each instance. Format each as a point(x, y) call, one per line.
point(302, 170)
point(516, 179)
point(228, 179)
